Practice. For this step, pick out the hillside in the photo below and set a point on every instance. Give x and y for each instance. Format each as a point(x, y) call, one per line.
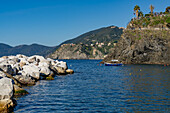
point(91, 45)
point(105, 34)
point(25, 49)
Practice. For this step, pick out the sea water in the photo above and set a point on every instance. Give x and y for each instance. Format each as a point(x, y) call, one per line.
point(103, 89)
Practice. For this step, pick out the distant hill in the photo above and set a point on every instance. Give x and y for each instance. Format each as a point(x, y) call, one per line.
point(105, 34)
point(25, 49)
point(91, 45)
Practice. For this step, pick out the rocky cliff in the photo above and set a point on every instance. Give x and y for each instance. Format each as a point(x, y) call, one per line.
point(142, 47)
point(78, 51)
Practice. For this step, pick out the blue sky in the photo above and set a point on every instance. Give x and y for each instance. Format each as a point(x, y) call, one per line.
point(50, 22)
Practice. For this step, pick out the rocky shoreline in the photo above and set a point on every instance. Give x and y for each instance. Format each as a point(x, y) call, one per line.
point(142, 47)
point(20, 70)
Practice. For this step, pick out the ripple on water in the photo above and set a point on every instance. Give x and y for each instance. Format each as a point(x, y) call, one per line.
point(93, 88)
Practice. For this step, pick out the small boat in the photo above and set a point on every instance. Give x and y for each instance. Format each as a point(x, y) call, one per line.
point(110, 64)
point(113, 63)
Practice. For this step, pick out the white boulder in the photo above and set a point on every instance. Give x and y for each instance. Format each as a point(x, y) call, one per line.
point(40, 58)
point(2, 74)
point(25, 79)
point(2, 60)
point(21, 56)
point(31, 59)
point(6, 88)
point(62, 64)
point(31, 70)
point(45, 64)
point(45, 70)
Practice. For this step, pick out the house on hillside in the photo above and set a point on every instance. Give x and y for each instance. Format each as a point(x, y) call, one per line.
point(109, 44)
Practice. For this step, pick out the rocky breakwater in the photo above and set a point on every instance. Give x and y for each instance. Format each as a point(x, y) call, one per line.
point(20, 70)
point(142, 47)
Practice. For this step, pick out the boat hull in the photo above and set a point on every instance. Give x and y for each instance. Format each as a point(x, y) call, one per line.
point(120, 64)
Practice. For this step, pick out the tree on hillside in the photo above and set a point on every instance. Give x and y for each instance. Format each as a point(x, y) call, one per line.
point(167, 10)
point(151, 8)
point(140, 14)
point(136, 9)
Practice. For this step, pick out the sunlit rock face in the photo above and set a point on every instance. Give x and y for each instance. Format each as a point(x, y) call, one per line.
point(142, 47)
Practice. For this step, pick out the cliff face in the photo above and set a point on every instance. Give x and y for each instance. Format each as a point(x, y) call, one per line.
point(78, 51)
point(142, 47)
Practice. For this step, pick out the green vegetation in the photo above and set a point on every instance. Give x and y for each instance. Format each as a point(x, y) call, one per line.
point(152, 20)
point(86, 49)
point(140, 34)
point(21, 92)
point(168, 19)
point(102, 35)
point(49, 78)
point(151, 8)
point(167, 10)
point(136, 9)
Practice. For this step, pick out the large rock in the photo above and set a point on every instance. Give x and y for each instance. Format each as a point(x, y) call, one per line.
point(16, 67)
point(62, 64)
point(6, 89)
point(6, 68)
point(40, 58)
point(21, 56)
point(24, 60)
point(25, 79)
point(14, 58)
point(32, 70)
point(36, 58)
point(44, 64)
point(2, 60)
point(31, 59)
point(5, 57)
point(18, 91)
point(58, 70)
point(21, 64)
point(2, 74)
point(69, 71)
point(7, 106)
point(45, 70)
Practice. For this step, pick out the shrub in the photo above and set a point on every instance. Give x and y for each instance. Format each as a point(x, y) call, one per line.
point(156, 22)
point(147, 15)
point(49, 78)
point(162, 21)
point(168, 20)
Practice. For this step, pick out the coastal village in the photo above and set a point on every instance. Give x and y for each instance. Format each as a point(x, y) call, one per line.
point(95, 43)
point(92, 45)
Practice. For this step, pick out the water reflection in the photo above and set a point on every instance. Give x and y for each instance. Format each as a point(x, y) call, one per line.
point(147, 88)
